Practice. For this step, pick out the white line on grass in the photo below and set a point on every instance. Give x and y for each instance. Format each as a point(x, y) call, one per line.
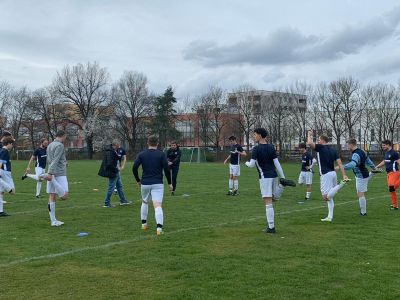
point(140, 238)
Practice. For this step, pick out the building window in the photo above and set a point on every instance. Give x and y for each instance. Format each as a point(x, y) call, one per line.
point(185, 128)
point(302, 101)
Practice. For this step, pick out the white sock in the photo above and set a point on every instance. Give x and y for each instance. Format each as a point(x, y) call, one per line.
point(52, 211)
point(331, 205)
point(308, 194)
point(230, 184)
point(363, 205)
point(34, 177)
point(38, 188)
point(269, 211)
point(236, 184)
point(144, 210)
point(333, 191)
point(159, 216)
point(1, 203)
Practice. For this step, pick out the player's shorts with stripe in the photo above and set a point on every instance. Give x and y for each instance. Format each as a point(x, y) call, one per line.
point(328, 181)
point(6, 176)
point(393, 179)
point(61, 180)
point(152, 192)
point(305, 177)
point(234, 170)
point(268, 186)
point(362, 184)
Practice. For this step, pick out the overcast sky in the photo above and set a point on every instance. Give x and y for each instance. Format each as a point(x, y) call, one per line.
point(192, 44)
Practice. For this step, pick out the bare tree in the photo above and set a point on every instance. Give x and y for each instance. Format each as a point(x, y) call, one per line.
point(16, 112)
point(132, 102)
point(6, 91)
point(84, 86)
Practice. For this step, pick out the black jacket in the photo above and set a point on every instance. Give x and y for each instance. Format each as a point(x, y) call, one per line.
point(108, 166)
point(174, 156)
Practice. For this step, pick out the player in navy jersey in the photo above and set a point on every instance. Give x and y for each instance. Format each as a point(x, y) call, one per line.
point(6, 181)
point(391, 162)
point(327, 156)
point(236, 151)
point(264, 157)
point(153, 162)
point(306, 173)
point(40, 157)
point(359, 162)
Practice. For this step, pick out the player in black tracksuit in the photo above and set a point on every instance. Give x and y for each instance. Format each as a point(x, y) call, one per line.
point(174, 159)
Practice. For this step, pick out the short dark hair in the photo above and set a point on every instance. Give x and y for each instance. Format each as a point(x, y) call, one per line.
point(7, 140)
point(262, 132)
point(387, 142)
point(152, 140)
point(232, 138)
point(42, 140)
point(324, 138)
point(60, 133)
point(302, 146)
point(352, 142)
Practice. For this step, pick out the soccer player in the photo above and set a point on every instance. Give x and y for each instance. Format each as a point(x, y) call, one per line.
point(306, 173)
point(153, 162)
point(57, 184)
point(265, 158)
point(391, 161)
point(6, 181)
point(327, 157)
point(110, 168)
point(40, 157)
point(174, 159)
point(121, 153)
point(234, 166)
point(4, 135)
point(359, 163)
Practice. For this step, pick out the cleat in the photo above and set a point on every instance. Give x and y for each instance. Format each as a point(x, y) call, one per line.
point(376, 170)
point(4, 214)
point(173, 193)
point(235, 193)
point(159, 231)
point(269, 230)
point(326, 219)
point(57, 223)
point(144, 227)
point(287, 182)
point(24, 177)
point(229, 193)
point(109, 206)
point(393, 207)
point(364, 215)
point(125, 203)
point(37, 196)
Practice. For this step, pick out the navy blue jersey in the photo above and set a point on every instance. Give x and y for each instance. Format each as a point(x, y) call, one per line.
point(361, 169)
point(326, 158)
point(41, 157)
point(390, 161)
point(121, 153)
point(235, 154)
point(153, 163)
point(306, 161)
point(264, 154)
point(5, 159)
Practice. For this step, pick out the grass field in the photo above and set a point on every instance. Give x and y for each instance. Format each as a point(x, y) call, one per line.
point(213, 247)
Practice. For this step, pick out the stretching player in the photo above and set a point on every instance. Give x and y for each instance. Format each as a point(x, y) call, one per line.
point(6, 181)
point(359, 161)
point(326, 157)
point(40, 157)
point(306, 173)
point(153, 162)
point(264, 157)
point(234, 166)
point(391, 162)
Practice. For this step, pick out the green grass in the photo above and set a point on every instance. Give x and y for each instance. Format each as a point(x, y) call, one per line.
point(213, 247)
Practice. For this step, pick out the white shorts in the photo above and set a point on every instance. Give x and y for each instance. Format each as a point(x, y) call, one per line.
point(268, 186)
point(305, 177)
point(61, 180)
point(328, 181)
point(362, 184)
point(153, 192)
point(234, 170)
point(6, 176)
point(39, 171)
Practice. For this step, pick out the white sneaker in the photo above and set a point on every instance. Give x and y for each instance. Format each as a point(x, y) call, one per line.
point(326, 219)
point(57, 223)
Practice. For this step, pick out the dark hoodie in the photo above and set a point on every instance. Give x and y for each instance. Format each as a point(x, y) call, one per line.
point(108, 166)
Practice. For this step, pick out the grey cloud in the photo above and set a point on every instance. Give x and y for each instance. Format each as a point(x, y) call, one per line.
point(291, 46)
